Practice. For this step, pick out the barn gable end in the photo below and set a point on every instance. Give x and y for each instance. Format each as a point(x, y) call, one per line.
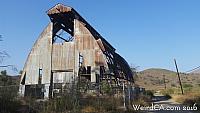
point(81, 51)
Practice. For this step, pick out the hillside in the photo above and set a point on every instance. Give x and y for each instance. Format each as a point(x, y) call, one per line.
point(154, 79)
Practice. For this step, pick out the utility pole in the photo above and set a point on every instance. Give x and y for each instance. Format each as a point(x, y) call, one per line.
point(178, 76)
point(164, 82)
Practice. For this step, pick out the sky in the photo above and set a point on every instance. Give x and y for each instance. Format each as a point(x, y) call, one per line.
point(147, 33)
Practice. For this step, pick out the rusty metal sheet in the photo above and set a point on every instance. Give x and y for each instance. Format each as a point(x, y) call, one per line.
point(62, 59)
point(59, 8)
point(99, 42)
point(100, 59)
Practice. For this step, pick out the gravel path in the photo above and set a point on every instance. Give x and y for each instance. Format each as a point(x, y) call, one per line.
point(169, 105)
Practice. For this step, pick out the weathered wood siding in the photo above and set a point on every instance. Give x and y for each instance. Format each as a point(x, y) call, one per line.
point(86, 44)
point(63, 56)
point(63, 77)
point(39, 58)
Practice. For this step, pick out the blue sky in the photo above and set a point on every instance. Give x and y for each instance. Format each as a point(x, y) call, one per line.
point(147, 33)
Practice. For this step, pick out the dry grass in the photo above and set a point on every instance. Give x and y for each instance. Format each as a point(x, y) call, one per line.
point(143, 99)
point(188, 99)
point(88, 109)
point(185, 97)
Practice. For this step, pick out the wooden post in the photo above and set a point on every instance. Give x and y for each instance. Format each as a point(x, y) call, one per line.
point(178, 76)
point(51, 64)
point(164, 82)
point(124, 95)
point(129, 93)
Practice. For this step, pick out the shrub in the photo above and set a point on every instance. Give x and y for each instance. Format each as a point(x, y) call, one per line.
point(142, 100)
point(187, 85)
point(149, 93)
point(9, 105)
point(168, 96)
point(106, 89)
point(8, 99)
point(168, 91)
point(64, 103)
point(173, 85)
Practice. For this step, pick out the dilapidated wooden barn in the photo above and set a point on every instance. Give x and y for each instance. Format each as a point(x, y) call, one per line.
point(69, 47)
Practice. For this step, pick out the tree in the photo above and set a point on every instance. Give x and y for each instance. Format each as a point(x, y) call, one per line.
point(134, 70)
point(4, 77)
point(4, 72)
point(106, 88)
point(20, 72)
point(3, 55)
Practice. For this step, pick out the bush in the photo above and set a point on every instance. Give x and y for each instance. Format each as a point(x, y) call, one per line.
point(168, 96)
point(106, 89)
point(168, 91)
point(142, 100)
point(173, 85)
point(100, 104)
point(64, 103)
point(149, 93)
point(187, 85)
point(9, 105)
point(8, 99)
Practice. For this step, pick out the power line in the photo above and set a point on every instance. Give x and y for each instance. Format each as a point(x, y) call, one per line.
point(193, 69)
point(6, 66)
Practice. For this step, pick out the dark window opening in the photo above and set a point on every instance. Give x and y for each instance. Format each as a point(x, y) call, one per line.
point(102, 72)
point(86, 77)
point(34, 91)
point(85, 72)
point(82, 70)
point(40, 76)
point(88, 69)
point(23, 80)
point(57, 90)
point(98, 78)
point(80, 60)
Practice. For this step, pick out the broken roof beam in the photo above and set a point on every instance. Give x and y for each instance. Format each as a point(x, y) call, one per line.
point(59, 8)
point(57, 11)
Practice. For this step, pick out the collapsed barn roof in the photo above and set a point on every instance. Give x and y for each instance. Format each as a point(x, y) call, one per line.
point(63, 17)
point(67, 49)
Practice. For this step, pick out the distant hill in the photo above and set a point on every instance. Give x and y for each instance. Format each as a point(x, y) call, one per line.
point(153, 78)
point(157, 71)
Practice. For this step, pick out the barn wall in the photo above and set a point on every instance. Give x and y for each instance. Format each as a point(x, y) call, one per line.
point(63, 56)
point(39, 58)
point(88, 47)
point(62, 59)
point(63, 62)
point(63, 77)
